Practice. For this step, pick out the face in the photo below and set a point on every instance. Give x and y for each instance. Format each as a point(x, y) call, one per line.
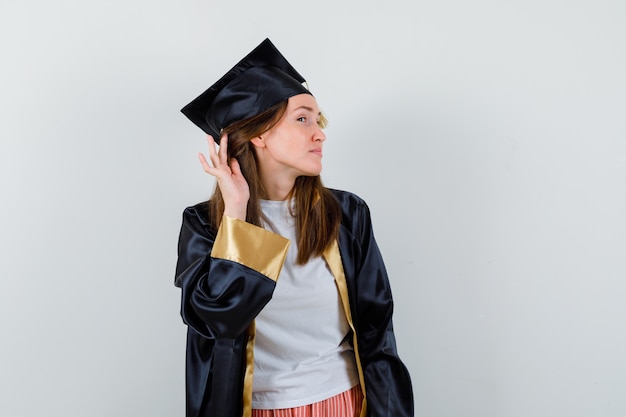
point(293, 147)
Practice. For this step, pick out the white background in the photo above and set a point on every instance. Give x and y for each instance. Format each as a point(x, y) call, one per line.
point(488, 137)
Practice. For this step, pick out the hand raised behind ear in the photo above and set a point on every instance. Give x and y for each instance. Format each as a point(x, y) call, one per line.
point(233, 186)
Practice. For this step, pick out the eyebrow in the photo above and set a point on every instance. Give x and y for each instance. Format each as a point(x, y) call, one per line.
point(306, 108)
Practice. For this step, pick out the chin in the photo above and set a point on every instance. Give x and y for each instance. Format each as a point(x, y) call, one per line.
point(312, 172)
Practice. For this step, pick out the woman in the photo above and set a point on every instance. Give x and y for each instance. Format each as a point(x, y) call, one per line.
point(284, 290)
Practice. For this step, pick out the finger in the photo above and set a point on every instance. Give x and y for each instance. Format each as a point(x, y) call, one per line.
point(223, 152)
point(205, 165)
point(235, 167)
point(212, 151)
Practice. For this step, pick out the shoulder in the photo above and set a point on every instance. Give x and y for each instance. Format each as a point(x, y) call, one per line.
point(199, 210)
point(347, 199)
point(199, 215)
point(355, 213)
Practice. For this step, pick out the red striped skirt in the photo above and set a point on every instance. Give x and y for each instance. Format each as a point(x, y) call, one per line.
point(346, 404)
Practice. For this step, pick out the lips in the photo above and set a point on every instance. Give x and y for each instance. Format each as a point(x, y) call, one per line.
point(317, 151)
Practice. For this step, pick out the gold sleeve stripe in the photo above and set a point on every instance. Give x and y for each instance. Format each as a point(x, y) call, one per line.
point(250, 245)
point(333, 259)
point(249, 375)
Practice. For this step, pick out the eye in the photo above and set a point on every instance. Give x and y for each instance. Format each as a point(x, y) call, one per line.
point(302, 119)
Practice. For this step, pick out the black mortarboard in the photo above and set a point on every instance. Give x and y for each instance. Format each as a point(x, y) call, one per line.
point(261, 80)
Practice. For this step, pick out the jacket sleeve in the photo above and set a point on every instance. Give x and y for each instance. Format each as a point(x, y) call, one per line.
point(388, 384)
point(227, 276)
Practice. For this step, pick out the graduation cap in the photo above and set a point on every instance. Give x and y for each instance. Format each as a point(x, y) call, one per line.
point(259, 81)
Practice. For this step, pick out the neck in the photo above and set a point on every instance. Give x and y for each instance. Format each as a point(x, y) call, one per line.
point(277, 181)
point(277, 190)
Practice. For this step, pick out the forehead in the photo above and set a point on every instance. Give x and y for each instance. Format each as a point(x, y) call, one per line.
point(306, 101)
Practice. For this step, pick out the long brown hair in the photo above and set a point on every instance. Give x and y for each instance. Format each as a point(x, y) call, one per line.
point(317, 212)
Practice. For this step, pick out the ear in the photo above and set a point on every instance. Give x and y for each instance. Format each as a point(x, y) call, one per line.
point(258, 142)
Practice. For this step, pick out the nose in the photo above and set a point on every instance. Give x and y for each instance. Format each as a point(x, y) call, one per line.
point(319, 135)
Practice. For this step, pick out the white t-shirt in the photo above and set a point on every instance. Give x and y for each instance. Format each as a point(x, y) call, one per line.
point(302, 354)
